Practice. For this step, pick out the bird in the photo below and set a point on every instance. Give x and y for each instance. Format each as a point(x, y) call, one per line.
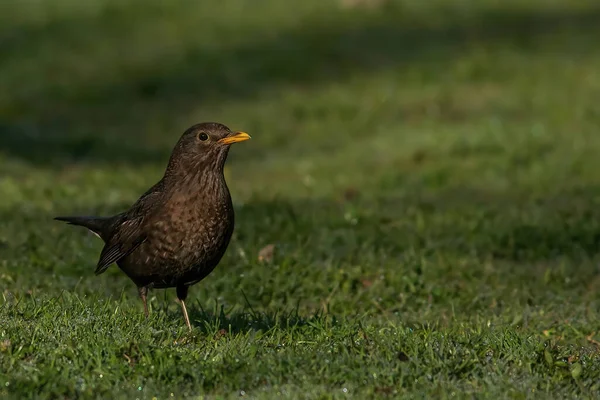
point(176, 233)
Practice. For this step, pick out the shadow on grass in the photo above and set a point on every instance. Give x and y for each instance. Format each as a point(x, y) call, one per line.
point(223, 323)
point(122, 118)
point(354, 232)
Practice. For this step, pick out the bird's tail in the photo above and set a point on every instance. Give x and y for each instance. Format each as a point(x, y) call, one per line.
point(94, 224)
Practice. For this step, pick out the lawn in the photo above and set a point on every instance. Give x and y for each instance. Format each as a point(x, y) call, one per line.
point(426, 173)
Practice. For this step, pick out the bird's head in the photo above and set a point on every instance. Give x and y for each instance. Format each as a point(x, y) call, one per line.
point(204, 148)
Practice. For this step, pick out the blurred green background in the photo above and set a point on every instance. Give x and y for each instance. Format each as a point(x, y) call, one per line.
point(427, 172)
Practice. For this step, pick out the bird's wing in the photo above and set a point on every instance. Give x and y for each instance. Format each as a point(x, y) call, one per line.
point(128, 237)
point(148, 200)
point(128, 230)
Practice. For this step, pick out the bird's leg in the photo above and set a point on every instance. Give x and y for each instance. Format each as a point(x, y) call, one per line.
point(185, 315)
point(182, 292)
point(143, 292)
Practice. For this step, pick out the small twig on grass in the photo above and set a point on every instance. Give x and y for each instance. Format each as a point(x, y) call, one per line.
point(590, 338)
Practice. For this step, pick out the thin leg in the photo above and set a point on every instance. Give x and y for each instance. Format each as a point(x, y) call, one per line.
point(182, 292)
point(185, 315)
point(143, 292)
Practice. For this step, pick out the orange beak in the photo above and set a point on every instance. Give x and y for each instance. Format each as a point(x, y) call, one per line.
point(236, 137)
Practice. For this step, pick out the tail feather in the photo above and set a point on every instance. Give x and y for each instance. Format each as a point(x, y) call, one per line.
point(94, 224)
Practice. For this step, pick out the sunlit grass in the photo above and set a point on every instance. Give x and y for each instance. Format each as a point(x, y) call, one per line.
point(427, 173)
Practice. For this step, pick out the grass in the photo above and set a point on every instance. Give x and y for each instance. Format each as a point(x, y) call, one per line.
point(427, 172)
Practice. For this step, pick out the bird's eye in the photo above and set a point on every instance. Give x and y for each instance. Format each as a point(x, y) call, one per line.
point(203, 137)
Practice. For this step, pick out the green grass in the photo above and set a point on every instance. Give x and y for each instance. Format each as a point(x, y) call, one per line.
point(428, 173)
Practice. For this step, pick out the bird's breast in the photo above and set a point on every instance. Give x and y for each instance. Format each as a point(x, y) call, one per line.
point(194, 228)
point(185, 238)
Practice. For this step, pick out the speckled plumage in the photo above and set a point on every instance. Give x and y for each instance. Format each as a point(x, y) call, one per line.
point(176, 232)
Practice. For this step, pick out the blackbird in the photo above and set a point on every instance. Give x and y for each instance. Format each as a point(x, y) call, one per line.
point(176, 233)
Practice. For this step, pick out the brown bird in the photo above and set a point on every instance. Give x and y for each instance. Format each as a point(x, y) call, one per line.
point(177, 232)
